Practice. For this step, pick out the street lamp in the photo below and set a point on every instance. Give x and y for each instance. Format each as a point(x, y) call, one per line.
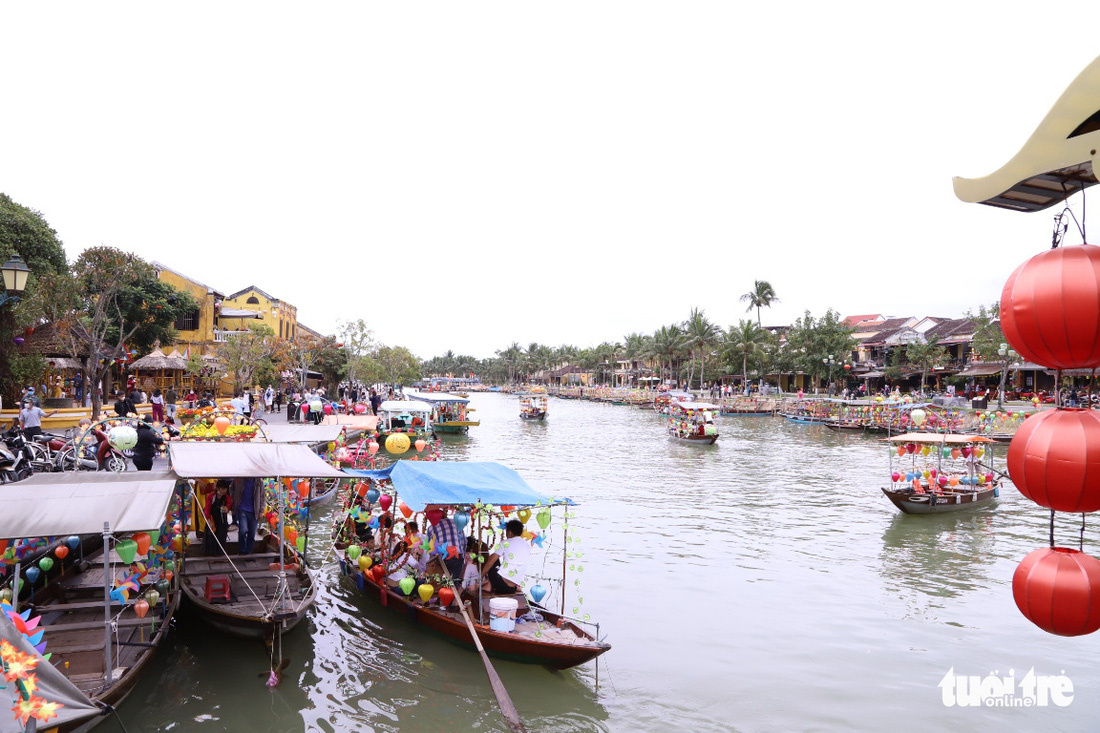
point(829, 361)
point(1006, 355)
point(15, 273)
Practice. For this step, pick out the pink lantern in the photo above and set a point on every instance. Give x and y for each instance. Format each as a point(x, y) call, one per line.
point(419, 445)
point(384, 501)
point(372, 447)
point(305, 407)
point(895, 476)
point(360, 409)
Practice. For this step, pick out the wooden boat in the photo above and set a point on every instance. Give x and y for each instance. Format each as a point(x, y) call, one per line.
point(935, 473)
point(533, 407)
point(540, 636)
point(100, 638)
point(270, 590)
point(449, 412)
point(317, 438)
point(693, 423)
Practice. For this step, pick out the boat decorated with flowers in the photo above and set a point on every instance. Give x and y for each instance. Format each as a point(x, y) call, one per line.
point(401, 423)
point(693, 423)
point(382, 557)
point(99, 598)
point(935, 473)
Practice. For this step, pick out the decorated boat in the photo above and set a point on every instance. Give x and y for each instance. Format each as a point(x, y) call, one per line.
point(450, 413)
point(269, 590)
point(693, 423)
point(98, 602)
point(517, 626)
point(935, 473)
point(533, 407)
point(401, 423)
point(748, 407)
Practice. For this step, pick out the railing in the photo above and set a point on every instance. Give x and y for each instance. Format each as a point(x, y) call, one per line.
point(220, 337)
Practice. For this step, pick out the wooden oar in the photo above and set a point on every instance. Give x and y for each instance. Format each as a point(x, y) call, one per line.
point(507, 709)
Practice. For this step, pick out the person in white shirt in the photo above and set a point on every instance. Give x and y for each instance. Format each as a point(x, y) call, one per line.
point(237, 403)
point(506, 568)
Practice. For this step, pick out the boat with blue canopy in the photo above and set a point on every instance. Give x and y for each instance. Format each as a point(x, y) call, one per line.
point(450, 413)
point(382, 549)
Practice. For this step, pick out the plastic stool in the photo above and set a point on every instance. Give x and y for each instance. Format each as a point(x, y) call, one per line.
point(217, 588)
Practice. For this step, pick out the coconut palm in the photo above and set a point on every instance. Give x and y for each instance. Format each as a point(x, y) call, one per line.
point(762, 295)
point(700, 336)
point(665, 344)
point(743, 342)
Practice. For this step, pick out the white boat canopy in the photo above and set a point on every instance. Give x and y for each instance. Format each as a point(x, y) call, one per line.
point(691, 406)
point(54, 504)
point(437, 397)
point(405, 406)
point(248, 460)
point(323, 433)
point(949, 438)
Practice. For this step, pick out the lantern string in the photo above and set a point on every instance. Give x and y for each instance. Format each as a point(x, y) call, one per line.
point(1061, 226)
point(1052, 528)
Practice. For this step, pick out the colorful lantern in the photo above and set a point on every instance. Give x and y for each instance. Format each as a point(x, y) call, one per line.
point(365, 562)
point(420, 443)
point(143, 541)
point(425, 591)
point(46, 563)
point(537, 593)
point(372, 495)
point(1050, 308)
point(354, 551)
point(405, 510)
point(461, 519)
point(436, 515)
point(1054, 460)
point(141, 608)
point(126, 550)
point(221, 424)
point(446, 597)
point(1058, 590)
point(62, 551)
point(122, 437)
point(384, 501)
point(372, 447)
point(397, 443)
point(407, 584)
point(543, 518)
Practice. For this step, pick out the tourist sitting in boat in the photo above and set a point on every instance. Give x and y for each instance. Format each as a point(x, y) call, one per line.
point(476, 550)
point(506, 568)
point(407, 563)
point(445, 532)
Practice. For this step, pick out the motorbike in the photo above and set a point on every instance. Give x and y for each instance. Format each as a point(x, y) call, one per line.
point(15, 457)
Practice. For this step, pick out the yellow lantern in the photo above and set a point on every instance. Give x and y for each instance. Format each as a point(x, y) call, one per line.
point(397, 443)
point(425, 590)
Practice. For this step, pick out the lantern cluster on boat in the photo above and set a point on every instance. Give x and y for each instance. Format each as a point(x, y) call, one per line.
point(1050, 313)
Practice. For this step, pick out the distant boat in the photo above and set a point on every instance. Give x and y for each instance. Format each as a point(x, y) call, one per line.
point(693, 423)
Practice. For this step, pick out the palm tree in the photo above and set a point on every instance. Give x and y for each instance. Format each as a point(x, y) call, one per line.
point(743, 341)
point(762, 295)
point(926, 356)
point(700, 335)
point(665, 344)
point(511, 357)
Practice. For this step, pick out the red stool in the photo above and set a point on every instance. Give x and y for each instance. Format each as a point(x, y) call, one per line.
point(217, 588)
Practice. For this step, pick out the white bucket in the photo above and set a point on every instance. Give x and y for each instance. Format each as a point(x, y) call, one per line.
point(502, 614)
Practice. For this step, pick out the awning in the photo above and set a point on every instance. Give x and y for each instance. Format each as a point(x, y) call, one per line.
point(303, 433)
point(949, 438)
point(247, 460)
point(420, 483)
point(356, 422)
point(872, 375)
point(53, 504)
point(436, 397)
point(980, 370)
point(52, 686)
point(405, 406)
point(238, 313)
point(697, 406)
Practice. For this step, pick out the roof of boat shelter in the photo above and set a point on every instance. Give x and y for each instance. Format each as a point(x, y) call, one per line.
point(405, 406)
point(938, 438)
point(436, 397)
point(248, 460)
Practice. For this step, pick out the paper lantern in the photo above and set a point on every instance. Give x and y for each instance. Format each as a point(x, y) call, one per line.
point(126, 550)
point(62, 551)
point(46, 563)
point(372, 495)
point(72, 541)
point(918, 417)
point(143, 541)
point(436, 515)
point(524, 515)
point(397, 443)
point(359, 409)
point(122, 437)
point(1058, 590)
point(405, 510)
point(316, 406)
point(461, 519)
point(221, 424)
point(364, 562)
point(446, 597)
point(328, 409)
point(32, 574)
point(901, 450)
point(537, 593)
point(543, 518)
point(377, 572)
point(1054, 460)
point(372, 447)
point(354, 551)
point(141, 608)
point(304, 407)
point(152, 597)
point(425, 591)
point(384, 501)
point(420, 443)
point(303, 488)
point(1050, 308)
point(407, 584)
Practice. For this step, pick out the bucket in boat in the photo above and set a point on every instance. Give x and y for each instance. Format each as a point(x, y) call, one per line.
point(502, 614)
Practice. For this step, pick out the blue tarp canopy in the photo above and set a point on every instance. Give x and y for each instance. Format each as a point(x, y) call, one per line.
point(420, 483)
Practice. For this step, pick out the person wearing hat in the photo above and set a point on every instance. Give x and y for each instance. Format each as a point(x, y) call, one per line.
point(148, 441)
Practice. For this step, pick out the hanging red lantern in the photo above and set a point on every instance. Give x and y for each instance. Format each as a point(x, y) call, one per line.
point(1054, 460)
point(1050, 308)
point(1058, 590)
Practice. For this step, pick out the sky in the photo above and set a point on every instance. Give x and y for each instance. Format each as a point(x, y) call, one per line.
point(464, 176)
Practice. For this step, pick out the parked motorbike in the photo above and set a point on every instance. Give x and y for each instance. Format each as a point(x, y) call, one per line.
point(15, 457)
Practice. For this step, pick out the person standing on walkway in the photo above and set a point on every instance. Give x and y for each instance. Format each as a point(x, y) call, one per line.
point(170, 399)
point(157, 401)
point(148, 442)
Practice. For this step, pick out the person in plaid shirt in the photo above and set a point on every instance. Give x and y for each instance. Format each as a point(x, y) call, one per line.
point(445, 532)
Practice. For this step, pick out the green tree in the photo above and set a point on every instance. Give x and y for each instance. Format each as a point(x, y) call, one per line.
point(24, 232)
point(926, 356)
point(245, 354)
point(700, 337)
point(762, 295)
point(358, 341)
point(812, 340)
point(988, 336)
point(742, 342)
point(396, 365)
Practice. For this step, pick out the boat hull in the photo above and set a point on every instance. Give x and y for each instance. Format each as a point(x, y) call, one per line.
point(538, 417)
point(522, 648)
point(914, 503)
point(694, 439)
point(454, 428)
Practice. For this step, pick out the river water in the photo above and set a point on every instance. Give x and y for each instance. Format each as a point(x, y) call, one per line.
point(763, 584)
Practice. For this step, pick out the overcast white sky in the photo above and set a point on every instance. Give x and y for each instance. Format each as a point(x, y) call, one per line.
point(563, 172)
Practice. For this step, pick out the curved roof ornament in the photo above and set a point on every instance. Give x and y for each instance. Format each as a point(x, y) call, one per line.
point(1055, 162)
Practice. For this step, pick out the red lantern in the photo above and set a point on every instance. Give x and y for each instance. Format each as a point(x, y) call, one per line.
point(1058, 590)
point(1054, 460)
point(1050, 308)
point(446, 596)
point(384, 501)
point(378, 571)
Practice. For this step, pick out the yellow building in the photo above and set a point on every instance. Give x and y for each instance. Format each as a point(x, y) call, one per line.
point(280, 316)
point(196, 329)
